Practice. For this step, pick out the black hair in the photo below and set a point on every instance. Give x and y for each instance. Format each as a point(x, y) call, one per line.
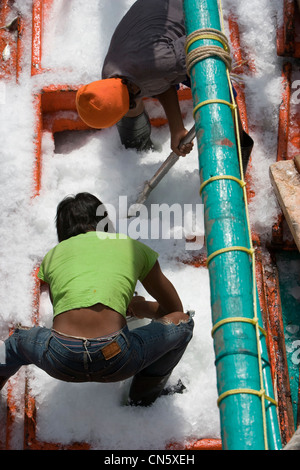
point(78, 214)
point(132, 95)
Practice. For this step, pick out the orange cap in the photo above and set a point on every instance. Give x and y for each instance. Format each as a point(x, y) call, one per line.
point(102, 103)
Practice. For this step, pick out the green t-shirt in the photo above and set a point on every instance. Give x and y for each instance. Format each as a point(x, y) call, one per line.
point(95, 267)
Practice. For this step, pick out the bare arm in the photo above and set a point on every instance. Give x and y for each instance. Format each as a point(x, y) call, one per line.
point(170, 103)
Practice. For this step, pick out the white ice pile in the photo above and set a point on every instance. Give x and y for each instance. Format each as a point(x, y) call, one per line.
point(74, 45)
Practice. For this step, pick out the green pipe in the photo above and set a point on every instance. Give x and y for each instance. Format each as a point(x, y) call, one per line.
point(231, 283)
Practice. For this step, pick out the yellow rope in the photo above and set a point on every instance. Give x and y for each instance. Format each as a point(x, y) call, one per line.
point(193, 57)
point(221, 177)
point(207, 33)
point(253, 321)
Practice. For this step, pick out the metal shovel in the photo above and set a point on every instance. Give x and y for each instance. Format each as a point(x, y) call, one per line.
point(163, 169)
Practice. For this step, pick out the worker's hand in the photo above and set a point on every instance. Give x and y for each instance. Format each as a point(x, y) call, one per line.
point(183, 149)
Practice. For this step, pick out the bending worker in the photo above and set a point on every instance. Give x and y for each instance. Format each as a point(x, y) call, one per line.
point(146, 58)
point(92, 276)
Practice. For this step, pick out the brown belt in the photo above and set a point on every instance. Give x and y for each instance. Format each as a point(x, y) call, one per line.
point(109, 351)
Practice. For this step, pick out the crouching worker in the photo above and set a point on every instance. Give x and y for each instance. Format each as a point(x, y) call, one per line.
point(146, 58)
point(92, 277)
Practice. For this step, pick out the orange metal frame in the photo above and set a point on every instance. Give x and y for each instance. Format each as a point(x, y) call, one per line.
point(288, 39)
point(55, 112)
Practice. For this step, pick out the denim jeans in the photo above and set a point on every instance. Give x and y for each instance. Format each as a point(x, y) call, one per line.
point(154, 349)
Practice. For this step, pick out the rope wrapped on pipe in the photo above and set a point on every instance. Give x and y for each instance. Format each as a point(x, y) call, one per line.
point(204, 52)
point(268, 435)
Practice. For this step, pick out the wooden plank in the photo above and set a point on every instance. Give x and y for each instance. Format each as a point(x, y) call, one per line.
point(297, 158)
point(285, 180)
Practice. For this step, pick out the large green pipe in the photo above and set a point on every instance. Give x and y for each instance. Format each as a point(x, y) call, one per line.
point(237, 360)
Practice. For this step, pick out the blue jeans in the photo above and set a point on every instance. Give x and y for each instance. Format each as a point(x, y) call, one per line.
point(153, 350)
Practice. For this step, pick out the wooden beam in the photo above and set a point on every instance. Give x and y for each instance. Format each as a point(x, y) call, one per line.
point(285, 179)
